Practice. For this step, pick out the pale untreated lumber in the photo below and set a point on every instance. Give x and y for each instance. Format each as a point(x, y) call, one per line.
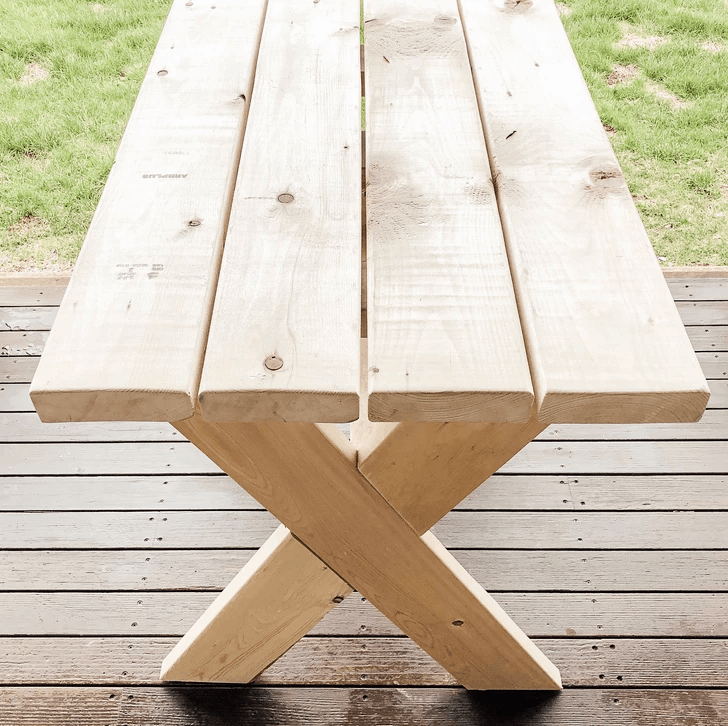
point(284, 336)
point(445, 343)
point(605, 342)
point(290, 599)
point(128, 340)
point(340, 516)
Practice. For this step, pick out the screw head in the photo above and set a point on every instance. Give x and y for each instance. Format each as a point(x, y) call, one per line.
point(273, 363)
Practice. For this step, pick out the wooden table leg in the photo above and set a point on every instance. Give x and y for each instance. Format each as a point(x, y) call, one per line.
point(310, 484)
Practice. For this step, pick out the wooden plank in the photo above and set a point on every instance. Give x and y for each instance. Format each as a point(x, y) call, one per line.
point(59, 706)
point(526, 570)
point(266, 706)
point(33, 530)
point(444, 335)
point(27, 427)
point(17, 343)
point(425, 469)
point(540, 492)
point(280, 595)
point(17, 369)
point(260, 706)
point(22, 368)
point(695, 289)
point(714, 365)
point(339, 516)
point(27, 318)
point(539, 457)
point(598, 318)
point(284, 337)
point(661, 615)
point(704, 313)
point(713, 425)
point(219, 648)
point(41, 292)
point(128, 340)
point(708, 338)
point(632, 662)
point(491, 530)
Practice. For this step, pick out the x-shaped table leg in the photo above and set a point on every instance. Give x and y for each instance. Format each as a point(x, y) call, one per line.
point(369, 532)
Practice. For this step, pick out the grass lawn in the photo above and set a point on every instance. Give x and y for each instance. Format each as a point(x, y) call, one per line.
point(71, 69)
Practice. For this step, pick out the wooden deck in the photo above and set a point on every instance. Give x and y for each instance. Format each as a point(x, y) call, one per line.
point(607, 544)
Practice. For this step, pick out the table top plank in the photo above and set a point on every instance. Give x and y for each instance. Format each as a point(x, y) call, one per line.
point(128, 340)
point(284, 338)
point(605, 342)
point(445, 340)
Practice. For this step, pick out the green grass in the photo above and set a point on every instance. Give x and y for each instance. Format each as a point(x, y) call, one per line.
point(58, 135)
point(675, 160)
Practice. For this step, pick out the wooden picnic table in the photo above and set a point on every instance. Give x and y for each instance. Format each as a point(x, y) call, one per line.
point(509, 284)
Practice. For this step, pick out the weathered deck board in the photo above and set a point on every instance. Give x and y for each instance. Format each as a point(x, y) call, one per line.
point(272, 706)
point(145, 570)
point(539, 457)
point(545, 492)
point(662, 606)
point(540, 615)
point(377, 661)
point(489, 530)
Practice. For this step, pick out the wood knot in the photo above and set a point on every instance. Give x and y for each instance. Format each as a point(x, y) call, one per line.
point(285, 198)
point(338, 599)
point(273, 362)
point(194, 223)
point(457, 623)
point(162, 73)
point(445, 20)
point(517, 6)
point(605, 181)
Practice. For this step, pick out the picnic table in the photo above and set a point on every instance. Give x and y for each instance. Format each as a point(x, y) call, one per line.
point(497, 279)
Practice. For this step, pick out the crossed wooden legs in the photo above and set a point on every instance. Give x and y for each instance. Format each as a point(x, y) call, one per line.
point(368, 532)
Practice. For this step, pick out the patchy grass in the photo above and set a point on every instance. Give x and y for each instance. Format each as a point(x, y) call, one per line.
point(658, 73)
point(69, 73)
point(71, 69)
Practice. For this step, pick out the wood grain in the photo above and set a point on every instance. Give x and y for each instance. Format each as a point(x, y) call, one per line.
point(185, 570)
point(539, 457)
point(599, 321)
point(338, 515)
point(574, 615)
point(128, 340)
point(499, 530)
point(284, 337)
point(632, 662)
point(502, 492)
point(444, 336)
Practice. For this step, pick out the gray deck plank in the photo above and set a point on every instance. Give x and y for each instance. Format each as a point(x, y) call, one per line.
point(542, 615)
point(592, 571)
point(633, 662)
point(463, 529)
point(593, 537)
point(524, 492)
point(359, 706)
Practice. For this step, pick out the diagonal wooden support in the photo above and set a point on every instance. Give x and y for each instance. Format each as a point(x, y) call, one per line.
point(296, 471)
